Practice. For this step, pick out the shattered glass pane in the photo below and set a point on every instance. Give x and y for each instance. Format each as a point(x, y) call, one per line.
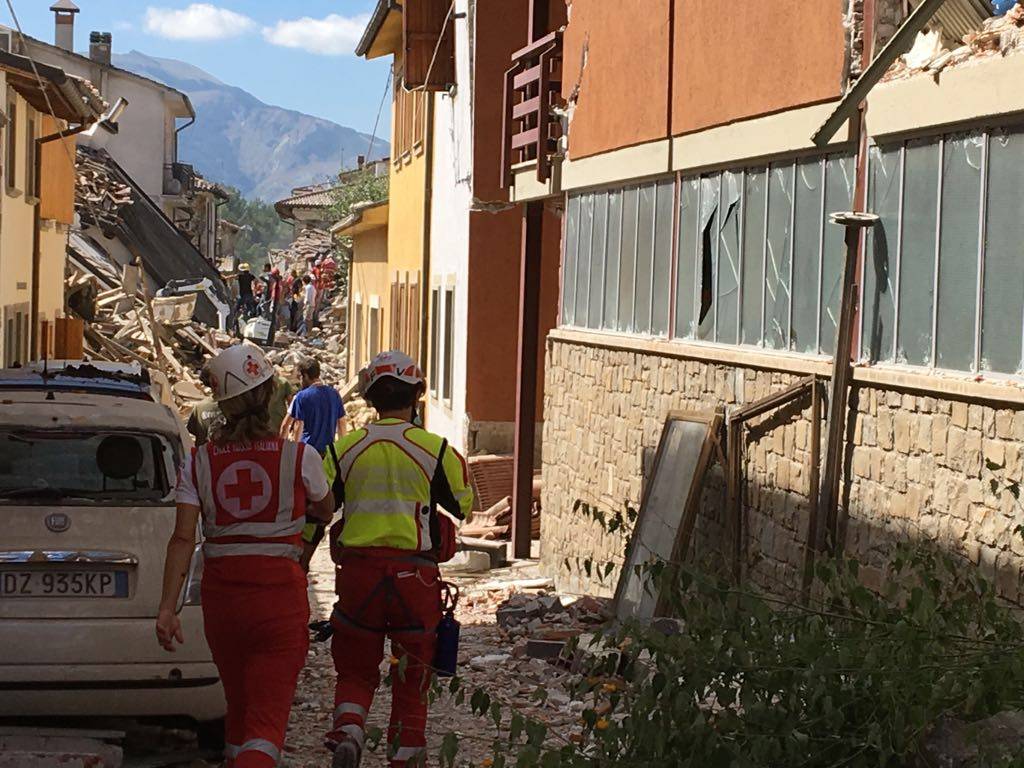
point(806, 250)
point(1003, 298)
point(708, 250)
point(583, 259)
point(687, 269)
point(917, 260)
point(644, 261)
point(597, 259)
point(572, 222)
point(776, 298)
point(840, 178)
point(611, 280)
point(727, 296)
point(627, 257)
point(958, 253)
point(753, 255)
point(665, 203)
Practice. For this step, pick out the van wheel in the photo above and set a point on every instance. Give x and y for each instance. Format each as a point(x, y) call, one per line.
point(210, 735)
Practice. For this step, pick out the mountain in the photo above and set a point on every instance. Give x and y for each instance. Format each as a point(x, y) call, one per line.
point(262, 150)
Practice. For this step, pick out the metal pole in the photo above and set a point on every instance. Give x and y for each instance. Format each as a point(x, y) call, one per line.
point(526, 384)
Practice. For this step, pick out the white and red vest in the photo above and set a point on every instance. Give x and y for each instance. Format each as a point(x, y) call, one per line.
point(252, 496)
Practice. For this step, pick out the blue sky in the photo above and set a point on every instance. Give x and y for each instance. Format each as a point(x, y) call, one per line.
point(295, 54)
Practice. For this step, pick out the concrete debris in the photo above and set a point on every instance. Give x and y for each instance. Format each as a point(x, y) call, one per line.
point(999, 35)
point(496, 522)
point(48, 751)
point(956, 744)
point(311, 244)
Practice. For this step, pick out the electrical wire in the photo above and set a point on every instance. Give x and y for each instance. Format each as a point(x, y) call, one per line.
point(380, 110)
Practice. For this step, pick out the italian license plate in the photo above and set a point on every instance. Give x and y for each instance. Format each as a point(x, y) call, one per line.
point(66, 584)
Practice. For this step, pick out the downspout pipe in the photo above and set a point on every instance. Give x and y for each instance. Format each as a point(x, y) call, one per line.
point(428, 150)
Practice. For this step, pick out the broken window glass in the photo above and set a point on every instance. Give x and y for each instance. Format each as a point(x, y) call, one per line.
point(727, 293)
point(710, 190)
point(1003, 298)
point(881, 259)
point(611, 280)
point(664, 223)
point(776, 299)
point(583, 260)
point(572, 225)
point(644, 261)
point(686, 271)
point(753, 254)
point(840, 178)
point(806, 254)
point(627, 257)
point(597, 259)
point(917, 253)
point(958, 252)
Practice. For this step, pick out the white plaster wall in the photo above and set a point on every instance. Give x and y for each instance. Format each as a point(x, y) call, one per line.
point(449, 224)
point(146, 138)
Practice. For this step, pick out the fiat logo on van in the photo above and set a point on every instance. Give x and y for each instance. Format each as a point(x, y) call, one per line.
point(58, 522)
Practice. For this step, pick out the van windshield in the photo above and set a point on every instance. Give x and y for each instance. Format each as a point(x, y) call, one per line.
point(82, 467)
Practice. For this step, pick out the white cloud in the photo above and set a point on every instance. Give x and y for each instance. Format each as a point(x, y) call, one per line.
point(199, 21)
point(334, 35)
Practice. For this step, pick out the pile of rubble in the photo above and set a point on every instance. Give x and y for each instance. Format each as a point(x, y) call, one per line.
point(999, 35)
point(311, 244)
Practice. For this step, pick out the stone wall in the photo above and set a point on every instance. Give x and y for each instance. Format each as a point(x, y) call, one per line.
point(916, 467)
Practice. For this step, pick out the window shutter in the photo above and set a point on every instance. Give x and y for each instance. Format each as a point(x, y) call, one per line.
point(427, 27)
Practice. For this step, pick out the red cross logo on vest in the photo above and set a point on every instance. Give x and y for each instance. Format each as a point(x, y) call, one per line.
point(244, 489)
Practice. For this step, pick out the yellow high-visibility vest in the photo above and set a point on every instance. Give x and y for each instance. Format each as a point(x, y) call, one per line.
point(387, 470)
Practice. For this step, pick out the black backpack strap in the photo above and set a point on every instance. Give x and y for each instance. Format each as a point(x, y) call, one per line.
point(338, 486)
point(441, 490)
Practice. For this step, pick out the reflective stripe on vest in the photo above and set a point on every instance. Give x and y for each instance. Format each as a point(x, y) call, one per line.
point(247, 537)
point(378, 515)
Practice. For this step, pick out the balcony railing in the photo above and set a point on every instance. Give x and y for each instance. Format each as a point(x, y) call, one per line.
point(179, 179)
point(533, 88)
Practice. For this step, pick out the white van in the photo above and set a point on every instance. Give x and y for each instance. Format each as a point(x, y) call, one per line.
point(88, 463)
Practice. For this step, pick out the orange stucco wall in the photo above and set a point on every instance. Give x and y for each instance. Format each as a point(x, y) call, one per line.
point(732, 63)
point(616, 55)
point(501, 30)
point(492, 342)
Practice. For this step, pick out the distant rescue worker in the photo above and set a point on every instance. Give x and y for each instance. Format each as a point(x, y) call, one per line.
point(246, 305)
point(254, 493)
point(317, 413)
point(392, 477)
point(206, 414)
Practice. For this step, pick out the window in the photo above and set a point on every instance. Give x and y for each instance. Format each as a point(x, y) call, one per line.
point(17, 335)
point(409, 117)
point(375, 330)
point(39, 464)
point(30, 158)
point(435, 338)
point(943, 285)
point(357, 355)
point(618, 259)
point(758, 261)
point(11, 147)
point(449, 342)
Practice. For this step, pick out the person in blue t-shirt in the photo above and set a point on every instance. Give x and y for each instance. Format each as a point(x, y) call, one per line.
point(316, 415)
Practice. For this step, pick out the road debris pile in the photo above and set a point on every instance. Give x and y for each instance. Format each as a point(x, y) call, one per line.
point(998, 35)
point(310, 245)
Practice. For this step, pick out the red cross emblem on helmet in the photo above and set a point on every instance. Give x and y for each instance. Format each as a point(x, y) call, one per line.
point(253, 368)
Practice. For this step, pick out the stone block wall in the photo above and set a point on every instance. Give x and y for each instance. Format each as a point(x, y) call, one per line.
point(916, 468)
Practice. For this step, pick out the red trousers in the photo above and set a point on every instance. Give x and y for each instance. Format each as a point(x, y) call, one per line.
point(380, 597)
point(259, 637)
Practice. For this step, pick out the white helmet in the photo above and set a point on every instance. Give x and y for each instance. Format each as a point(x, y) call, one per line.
point(237, 370)
point(393, 364)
